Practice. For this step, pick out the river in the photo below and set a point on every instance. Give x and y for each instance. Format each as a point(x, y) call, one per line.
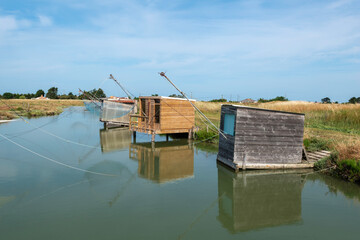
point(64, 177)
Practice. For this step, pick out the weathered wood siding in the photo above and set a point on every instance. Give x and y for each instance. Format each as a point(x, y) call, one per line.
point(176, 114)
point(226, 146)
point(263, 136)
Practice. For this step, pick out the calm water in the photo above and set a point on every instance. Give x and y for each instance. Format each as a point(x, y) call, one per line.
point(173, 191)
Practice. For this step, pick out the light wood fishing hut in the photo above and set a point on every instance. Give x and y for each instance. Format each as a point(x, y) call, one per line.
point(163, 115)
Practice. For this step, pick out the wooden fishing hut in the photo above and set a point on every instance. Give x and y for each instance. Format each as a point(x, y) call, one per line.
point(256, 138)
point(163, 115)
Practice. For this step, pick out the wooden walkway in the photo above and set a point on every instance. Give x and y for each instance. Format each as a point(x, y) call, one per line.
point(313, 157)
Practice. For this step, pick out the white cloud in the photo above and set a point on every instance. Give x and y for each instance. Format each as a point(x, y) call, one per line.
point(340, 3)
point(8, 23)
point(148, 38)
point(45, 21)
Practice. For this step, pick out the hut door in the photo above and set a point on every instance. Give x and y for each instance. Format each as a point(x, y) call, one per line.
point(151, 113)
point(151, 110)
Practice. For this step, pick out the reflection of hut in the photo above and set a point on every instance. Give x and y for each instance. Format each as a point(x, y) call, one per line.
point(164, 115)
point(165, 162)
point(260, 138)
point(254, 200)
point(114, 139)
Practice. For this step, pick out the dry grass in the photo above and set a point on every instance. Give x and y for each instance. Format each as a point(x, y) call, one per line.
point(306, 107)
point(348, 149)
point(34, 108)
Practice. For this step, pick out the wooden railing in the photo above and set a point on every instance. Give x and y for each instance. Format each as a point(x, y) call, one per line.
point(135, 124)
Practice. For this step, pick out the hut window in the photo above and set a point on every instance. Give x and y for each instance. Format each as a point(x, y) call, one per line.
point(229, 124)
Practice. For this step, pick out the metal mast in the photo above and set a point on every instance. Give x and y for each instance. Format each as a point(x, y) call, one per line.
point(182, 93)
point(126, 92)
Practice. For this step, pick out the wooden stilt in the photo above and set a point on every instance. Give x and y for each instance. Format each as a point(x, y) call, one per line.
point(167, 137)
point(134, 136)
point(153, 137)
point(190, 134)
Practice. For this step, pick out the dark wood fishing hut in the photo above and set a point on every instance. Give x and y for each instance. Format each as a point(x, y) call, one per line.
point(163, 115)
point(257, 138)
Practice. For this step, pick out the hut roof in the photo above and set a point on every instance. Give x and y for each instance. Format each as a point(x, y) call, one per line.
point(163, 97)
point(262, 109)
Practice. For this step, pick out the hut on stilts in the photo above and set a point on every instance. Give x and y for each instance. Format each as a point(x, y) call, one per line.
point(163, 115)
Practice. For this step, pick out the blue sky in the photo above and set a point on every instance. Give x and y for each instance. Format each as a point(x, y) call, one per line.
point(303, 49)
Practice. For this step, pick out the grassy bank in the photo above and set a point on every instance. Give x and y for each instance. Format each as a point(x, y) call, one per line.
point(334, 127)
point(9, 109)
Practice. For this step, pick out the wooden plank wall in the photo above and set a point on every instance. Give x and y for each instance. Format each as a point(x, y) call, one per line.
point(176, 114)
point(268, 137)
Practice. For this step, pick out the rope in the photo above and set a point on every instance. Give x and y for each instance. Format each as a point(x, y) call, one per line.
point(18, 134)
point(206, 139)
point(54, 161)
point(322, 170)
point(200, 216)
point(208, 125)
point(47, 132)
point(102, 83)
point(196, 108)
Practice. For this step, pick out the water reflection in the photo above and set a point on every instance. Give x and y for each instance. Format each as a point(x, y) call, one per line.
point(109, 189)
point(258, 199)
point(164, 161)
point(114, 139)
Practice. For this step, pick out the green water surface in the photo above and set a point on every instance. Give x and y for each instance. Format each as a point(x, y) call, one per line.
point(173, 190)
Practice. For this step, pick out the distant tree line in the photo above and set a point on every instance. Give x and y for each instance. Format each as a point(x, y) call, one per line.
point(176, 96)
point(218, 100)
point(52, 93)
point(354, 100)
point(95, 93)
point(278, 98)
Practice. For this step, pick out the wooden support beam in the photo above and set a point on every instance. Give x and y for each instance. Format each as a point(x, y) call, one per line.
point(134, 136)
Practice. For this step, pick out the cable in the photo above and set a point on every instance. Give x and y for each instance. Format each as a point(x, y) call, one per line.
point(47, 132)
point(54, 161)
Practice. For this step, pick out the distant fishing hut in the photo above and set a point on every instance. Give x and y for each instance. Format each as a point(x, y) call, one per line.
point(257, 138)
point(163, 115)
point(116, 111)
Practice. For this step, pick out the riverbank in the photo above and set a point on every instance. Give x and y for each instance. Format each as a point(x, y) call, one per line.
point(10, 109)
point(333, 127)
